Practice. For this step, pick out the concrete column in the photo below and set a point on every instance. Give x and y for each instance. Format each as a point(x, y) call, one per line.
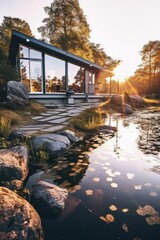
point(86, 81)
point(66, 75)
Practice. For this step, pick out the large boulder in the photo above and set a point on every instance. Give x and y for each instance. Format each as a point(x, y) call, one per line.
point(48, 199)
point(17, 93)
point(46, 176)
point(134, 100)
point(116, 99)
point(18, 219)
point(52, 144)
point(14, 163)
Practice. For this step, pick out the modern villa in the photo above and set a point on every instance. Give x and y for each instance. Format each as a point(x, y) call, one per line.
point(53, 74)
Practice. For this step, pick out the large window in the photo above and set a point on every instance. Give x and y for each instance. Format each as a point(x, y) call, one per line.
point(54, 75)
point(31, 69)
point(75, 78)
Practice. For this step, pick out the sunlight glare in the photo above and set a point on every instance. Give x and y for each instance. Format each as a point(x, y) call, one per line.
point(121, 73)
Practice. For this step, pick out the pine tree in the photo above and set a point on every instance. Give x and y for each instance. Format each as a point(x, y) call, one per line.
point(66, 27)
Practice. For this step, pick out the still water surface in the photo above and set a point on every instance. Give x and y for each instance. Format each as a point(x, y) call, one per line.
point(114, 184)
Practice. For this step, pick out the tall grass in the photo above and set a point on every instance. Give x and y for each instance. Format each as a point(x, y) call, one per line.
point(5, 125)
point(88, 120)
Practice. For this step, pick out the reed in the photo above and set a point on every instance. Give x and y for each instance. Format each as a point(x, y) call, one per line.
point(5, 125)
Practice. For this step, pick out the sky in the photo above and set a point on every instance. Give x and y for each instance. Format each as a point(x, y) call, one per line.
point(121, 27)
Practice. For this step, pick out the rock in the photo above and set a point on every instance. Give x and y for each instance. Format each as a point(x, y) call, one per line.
point(126, 109)
point(17, 93)
point(70, 135)
point(13, 185)
point(18, 219)
point(70, 205)
point(14, 163)
point(52, 144)
point(36, 177)
point(19, 135)
point(48, 199)
point(134, 100)
point(116, 99)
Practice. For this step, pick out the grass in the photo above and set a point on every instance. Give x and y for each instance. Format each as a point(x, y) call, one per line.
point(5, 125)
point(21, 115)
point(88, 120)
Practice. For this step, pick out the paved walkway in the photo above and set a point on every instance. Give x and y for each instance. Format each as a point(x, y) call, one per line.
point(55, 118)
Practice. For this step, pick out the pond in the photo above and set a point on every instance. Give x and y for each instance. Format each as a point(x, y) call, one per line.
point(114, 184)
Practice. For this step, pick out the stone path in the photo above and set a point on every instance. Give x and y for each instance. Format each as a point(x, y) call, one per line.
point(55, 118)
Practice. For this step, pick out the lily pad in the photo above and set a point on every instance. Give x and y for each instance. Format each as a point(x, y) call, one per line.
point(114, 185)
point(109, 179)
point(153, 194)
point(110, 218)
point(89, 192)
point(96, 179)
point(130, 175)
point(113, 208)
point(125, 210)
point(153, 220)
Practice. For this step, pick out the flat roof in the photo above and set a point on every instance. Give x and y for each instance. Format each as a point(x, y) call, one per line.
point(21, 38)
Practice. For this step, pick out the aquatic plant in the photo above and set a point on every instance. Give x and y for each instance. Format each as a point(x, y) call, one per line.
point(39, 154)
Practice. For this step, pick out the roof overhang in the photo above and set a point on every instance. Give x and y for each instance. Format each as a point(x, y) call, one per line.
point(20, 38)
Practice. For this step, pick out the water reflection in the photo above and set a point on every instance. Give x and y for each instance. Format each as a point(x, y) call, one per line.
point(68, 170)
point(117, 183)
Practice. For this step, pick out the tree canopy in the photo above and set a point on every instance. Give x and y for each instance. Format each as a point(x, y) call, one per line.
point(6, 28)
point(66, 27)
point(146, 78)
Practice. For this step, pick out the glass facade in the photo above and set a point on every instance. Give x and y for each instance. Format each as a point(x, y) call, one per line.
point(79, 80)
point(75, 78)
point(31, 69)
point(55, 80)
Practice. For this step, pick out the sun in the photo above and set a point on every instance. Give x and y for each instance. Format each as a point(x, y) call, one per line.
point(120, 73)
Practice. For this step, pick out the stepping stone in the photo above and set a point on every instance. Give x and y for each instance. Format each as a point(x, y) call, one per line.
point(63, 114)
point(73, 114)
point(53, 129)
point(49, 118)
point(60, 120)
point(37, 117)
point(45, 114)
